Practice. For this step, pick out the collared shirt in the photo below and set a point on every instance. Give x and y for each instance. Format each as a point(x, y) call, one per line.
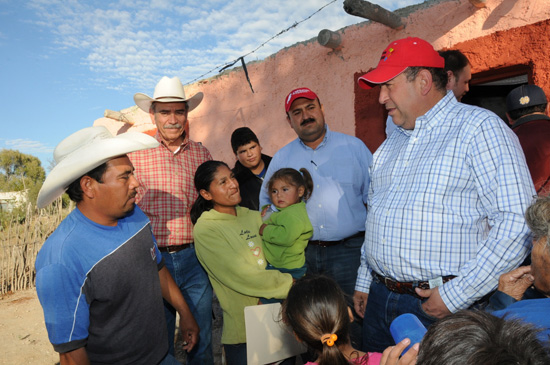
point(339, 168)
point(448, 198)
point(167, 189)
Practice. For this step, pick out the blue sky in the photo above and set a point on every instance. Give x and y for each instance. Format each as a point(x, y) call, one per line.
point(63, 62)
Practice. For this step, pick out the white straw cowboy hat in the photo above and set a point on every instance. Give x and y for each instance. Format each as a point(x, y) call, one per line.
point(167, 91)
point(82, 152)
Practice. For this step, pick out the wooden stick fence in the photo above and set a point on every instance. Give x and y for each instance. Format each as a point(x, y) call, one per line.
point(19, 245)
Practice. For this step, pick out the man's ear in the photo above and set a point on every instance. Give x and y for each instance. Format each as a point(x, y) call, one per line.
point(510, 121)
point(87, 185)
point(425, 81)
point(152, 115)
point(451, 79)
point(205, 194)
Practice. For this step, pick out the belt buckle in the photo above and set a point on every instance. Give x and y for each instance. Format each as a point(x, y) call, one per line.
point(434, 283)
point(390, 284)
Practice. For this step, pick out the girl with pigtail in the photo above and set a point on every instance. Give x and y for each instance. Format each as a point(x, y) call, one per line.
point(317, 312)
point(285, 233)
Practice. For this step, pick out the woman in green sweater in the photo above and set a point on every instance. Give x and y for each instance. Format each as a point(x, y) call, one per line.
point(229, 247)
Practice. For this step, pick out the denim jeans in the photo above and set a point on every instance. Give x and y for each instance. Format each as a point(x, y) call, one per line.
point(169, 359)
point(295, 273)
point(197, 291)
point(383, 306)
point(341, 263)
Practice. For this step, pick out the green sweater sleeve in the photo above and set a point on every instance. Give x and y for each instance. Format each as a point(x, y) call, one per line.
point(285, 227)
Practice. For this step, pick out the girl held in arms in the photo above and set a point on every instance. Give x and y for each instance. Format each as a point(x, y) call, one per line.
point(285, 233)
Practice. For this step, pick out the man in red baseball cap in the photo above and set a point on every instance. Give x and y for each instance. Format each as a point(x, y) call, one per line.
point(339, 165)
point(446, 203)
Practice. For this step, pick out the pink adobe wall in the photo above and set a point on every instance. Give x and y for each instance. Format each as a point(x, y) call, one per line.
point(229, 103)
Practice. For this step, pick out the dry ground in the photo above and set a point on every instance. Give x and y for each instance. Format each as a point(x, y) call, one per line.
point(23, 336)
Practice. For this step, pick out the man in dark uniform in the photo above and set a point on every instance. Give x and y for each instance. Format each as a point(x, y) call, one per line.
point(526, 108)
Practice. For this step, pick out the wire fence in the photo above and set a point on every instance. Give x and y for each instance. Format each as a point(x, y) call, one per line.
point(20, 242)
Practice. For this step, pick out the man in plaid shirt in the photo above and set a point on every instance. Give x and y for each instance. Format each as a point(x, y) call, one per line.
point(166, 195)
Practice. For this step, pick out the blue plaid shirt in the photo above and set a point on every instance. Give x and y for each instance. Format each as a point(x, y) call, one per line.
point(448, 198)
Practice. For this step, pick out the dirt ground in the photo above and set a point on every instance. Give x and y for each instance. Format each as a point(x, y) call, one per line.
point(23, 336)
point(24, 339)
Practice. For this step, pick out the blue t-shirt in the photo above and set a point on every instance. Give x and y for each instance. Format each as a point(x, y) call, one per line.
point(99, 287)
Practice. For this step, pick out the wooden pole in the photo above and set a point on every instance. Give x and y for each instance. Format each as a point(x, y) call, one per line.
point(479, 3)
point(367, 10)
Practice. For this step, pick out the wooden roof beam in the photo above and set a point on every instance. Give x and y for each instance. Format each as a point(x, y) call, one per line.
point(376, 13)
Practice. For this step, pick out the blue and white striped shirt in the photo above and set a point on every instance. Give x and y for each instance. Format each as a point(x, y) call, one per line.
point(448, 198)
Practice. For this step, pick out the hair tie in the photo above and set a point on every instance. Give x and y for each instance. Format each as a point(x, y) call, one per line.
point(329, 339)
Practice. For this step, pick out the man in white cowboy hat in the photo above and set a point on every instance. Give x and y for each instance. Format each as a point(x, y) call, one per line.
point(100, 277)
point(167, 193)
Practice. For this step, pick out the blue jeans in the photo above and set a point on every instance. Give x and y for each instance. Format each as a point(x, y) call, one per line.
point(169, 359)
point(295, 273)
point(383, 306)
point(197, 291)
point(341, 263)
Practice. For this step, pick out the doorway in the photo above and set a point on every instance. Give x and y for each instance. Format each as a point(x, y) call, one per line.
point(488, 89)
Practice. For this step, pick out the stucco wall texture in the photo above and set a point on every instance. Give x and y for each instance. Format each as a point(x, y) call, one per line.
point(229, 103)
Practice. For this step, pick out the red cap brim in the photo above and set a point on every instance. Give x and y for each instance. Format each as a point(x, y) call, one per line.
point(380, 75)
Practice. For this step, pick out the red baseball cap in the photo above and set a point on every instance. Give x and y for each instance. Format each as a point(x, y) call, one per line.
point(302, 92)
point(400, 54)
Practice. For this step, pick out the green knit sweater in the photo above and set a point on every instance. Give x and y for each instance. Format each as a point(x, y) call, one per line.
point(230, 250)
point(286, 236)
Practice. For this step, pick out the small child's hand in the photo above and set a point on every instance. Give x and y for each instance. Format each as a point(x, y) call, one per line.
point(262, 229)
point(264, 210)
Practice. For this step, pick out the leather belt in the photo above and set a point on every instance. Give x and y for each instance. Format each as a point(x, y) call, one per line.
point(407, 287)
point(174, 249)
point(335, 243)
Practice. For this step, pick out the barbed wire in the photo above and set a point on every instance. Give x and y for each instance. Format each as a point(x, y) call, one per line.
point(226, 65)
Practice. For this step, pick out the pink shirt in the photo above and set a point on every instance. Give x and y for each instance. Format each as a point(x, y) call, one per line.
point(371, 358)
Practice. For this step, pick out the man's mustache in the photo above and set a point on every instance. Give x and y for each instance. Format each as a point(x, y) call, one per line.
point(308, 120)
point(173, 126)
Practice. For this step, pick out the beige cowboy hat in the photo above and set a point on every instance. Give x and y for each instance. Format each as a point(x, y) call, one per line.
point(82, 152)
point(168, 90)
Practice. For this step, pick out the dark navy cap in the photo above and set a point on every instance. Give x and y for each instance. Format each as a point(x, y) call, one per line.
point(525, 96)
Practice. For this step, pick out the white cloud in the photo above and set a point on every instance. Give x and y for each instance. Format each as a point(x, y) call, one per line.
point(137, 41)
point(27, 146)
